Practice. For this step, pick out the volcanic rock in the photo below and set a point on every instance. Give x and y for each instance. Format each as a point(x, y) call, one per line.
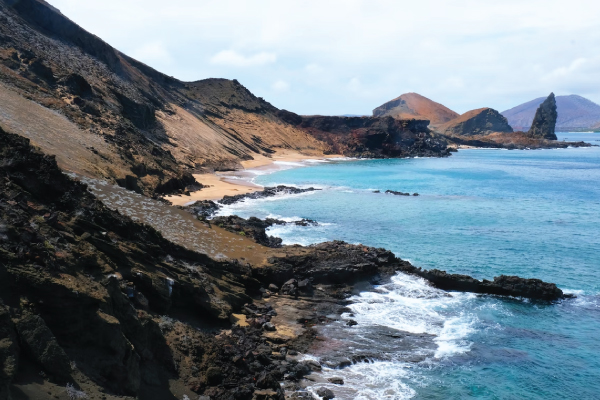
point(482, 121)
point(544, 122)
point(415, 106)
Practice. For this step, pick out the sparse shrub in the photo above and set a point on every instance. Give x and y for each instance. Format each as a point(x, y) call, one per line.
point(242, 233)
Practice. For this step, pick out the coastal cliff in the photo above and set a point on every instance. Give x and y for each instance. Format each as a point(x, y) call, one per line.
point(103, 304)
point(372, 137)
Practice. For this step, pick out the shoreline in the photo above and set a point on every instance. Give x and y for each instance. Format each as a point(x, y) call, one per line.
point(230, 183)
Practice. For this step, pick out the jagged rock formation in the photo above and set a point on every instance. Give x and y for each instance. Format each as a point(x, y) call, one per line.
point(482, 121)
point(413, 105)
point(574, 113)
point(544, 122)
point(372, 137)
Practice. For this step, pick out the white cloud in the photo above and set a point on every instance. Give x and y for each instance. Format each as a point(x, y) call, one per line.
point(280, 86)
point(152, 53)
point(464, 54)
point(354, 85)
point(234, 59)
point(563, 72)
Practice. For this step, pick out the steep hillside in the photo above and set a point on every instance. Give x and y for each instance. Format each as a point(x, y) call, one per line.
point(574, 112)
point(115, 118)
point(482, 121)
point(413, 105)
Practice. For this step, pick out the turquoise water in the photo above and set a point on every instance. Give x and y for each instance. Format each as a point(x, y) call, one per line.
point(483, 213)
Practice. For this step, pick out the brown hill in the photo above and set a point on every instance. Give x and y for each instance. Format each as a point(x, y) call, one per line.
point(481, 121)
point(413, 105)
point(106, 115)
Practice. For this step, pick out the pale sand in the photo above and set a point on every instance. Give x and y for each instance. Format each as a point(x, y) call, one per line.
point(224, 183)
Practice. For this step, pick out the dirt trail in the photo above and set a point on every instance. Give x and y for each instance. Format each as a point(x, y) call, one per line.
point(179, 226)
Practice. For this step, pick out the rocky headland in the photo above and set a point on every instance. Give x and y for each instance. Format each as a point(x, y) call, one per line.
point(372, 137)
point(481, 129)
point(102, 304)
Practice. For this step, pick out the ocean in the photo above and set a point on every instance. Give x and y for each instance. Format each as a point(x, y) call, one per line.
point(481, 212)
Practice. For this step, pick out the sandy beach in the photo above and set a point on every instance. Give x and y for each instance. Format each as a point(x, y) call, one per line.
point(236, 182)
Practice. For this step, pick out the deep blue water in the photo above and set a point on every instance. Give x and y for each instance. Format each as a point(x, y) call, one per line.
point(483, 213)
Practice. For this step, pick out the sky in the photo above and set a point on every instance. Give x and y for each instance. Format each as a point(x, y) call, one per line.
point(333, 57)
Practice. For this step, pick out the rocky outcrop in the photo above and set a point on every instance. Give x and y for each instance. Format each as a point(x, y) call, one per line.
point(84, 288)
point(266, 192)
point(252, 227)
point(574, 113)
point(544, 122)
point(413, 105)
point(482, 121)
point(340, 262)
point(372, 137)
point(502, 285)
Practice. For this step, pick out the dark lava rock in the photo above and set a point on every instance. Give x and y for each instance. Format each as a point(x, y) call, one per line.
point(502, 285)
point(214, 376)
point(482, 121)
point(336, 380)
point(252, 227)
point(544, 122)
point(203, 209)
point(325, 393)
point(273, 288)
point(351, 322)
point(269, 327)
point(397, 193)
point(266, 192)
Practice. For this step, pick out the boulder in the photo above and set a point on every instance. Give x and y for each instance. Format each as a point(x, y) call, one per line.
point(325, 394)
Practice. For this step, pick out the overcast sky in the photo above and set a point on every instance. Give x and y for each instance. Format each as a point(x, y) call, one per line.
point(348, 57)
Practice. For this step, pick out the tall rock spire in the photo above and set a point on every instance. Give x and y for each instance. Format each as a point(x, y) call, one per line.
point(544, 121)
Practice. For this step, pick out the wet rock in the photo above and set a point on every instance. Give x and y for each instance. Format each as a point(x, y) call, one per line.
point(266, 192)
point(325, 394)
point(397, 193)
point(301, 396)
point(336, 380)
point(351, 322)
point(313, 365)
